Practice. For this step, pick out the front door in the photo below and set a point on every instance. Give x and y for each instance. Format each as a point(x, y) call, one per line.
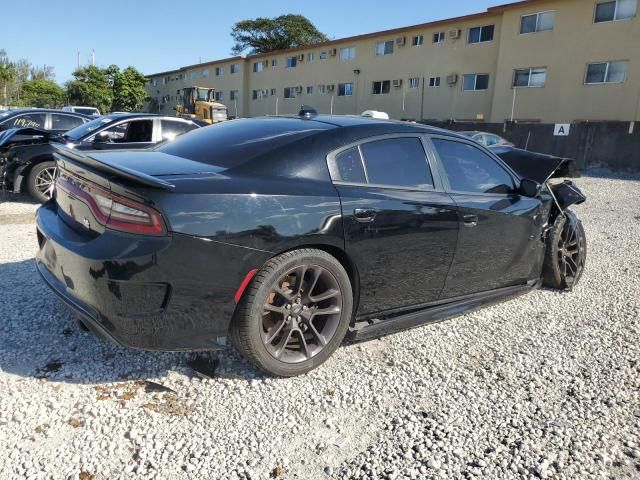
point(134, 134)
point(400, 228)
point(499, 240)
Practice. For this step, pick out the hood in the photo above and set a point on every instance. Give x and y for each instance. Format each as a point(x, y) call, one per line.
point(536, 166)
point(16, 135)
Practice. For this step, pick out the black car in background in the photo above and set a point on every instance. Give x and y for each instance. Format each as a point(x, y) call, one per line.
point(285, 234)
point(55, 121)
point(26, 155)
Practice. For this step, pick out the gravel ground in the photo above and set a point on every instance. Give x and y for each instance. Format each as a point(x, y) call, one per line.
point(547, 385)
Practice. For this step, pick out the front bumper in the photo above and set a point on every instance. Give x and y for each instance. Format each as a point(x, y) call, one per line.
point(149, 293)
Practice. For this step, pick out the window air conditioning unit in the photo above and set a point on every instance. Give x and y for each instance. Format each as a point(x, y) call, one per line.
point(330, 87)
point(301, 57)
point(400, 41)
point(455, 33)
point(333, 52)
point(452, 79)
point(397, 83)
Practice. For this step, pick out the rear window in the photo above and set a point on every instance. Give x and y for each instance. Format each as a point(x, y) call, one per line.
point(233, 143)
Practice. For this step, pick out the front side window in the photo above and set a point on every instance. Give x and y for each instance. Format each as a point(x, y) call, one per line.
point(135, 131)
point(481, 34)
point(438, 37)
point(28, 120)
point(529, 77)
point(171, 129)
point(469, 169)
point(615, 10)
point(399, 162)
point(418, 40)
point(606, 72)
point(384, 48)
point(381, 87)
point(64, 122)
point(348, 53)
point(475, 82)
point(538, 22)
point(345, 89)
point(292, 62)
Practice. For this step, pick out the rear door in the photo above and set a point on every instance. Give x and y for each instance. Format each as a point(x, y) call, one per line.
point(61, 122)
point(499, 242)
point(170, 129)
point(400, 227)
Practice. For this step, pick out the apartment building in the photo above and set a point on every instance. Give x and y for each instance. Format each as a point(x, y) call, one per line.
point(535, 60)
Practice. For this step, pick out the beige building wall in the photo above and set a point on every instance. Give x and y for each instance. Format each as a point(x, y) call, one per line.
point(565, 51)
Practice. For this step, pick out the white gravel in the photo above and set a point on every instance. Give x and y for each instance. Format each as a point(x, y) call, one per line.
point(547, 385)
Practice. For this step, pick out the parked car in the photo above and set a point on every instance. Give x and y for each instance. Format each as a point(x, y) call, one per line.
point(26, 158)
point(43, 119)
point(90, 111)
point(288, 233)
point(487, 139)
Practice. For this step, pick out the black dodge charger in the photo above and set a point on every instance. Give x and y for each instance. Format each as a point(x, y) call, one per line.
point(288, 234)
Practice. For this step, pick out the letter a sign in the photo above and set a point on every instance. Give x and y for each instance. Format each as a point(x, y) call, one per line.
point(561, 129)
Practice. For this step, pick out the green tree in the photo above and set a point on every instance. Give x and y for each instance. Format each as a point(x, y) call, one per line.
point(91, 86)
point(42, 93)
point(264, 35)
point(129, 93)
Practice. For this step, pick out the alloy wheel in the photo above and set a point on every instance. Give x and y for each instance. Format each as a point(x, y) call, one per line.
point(44, 181)
point(301, 313)
point(570, 252)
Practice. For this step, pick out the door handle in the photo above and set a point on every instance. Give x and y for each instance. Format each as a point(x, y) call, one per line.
point(470, 220)
point(364, 215)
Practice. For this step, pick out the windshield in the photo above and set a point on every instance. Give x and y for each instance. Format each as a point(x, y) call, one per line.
point(202, 95)
point(83, 130)
point(86, 110)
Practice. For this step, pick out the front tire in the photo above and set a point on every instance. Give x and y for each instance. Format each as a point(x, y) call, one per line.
point(40, 181)
point(295, 313)
point(566, 253)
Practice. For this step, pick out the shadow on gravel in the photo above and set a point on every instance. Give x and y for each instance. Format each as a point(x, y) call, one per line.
point(40, 338)
point(17, 198)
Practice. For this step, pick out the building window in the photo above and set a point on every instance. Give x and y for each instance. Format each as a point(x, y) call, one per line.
point(291, 63)
point(414, 82)
point(322, 89)
point(434, 81)
point(348, 53)
point(384, 48)
point(309, 90)
point(218, 96)
point(481, 34)
point(233, 95)
point(219, 71)
point(438, 37)
point(258, 66)
point(323, 56)
point(538, 22)
point(418, 40)
point(205, 73)
point(606, 72)
point(273, 92)
point(345, 89)
point(529, 77)
point(274, 62)
point(615, 10)
point(475, 82)
point(192, 75)
point(257, 94)
point(234, 68)
point(311, 56)
point(289, 92)
point(381, 87)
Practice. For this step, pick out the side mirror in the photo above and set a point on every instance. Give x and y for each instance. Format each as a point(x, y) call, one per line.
point(529, 188)
point(102, 137)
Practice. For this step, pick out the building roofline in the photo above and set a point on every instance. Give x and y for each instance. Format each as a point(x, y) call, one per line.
point(490, 11)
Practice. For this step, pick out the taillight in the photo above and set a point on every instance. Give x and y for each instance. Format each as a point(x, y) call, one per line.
point(111, 210)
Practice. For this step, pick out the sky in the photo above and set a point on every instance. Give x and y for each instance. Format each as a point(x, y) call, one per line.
point(160, 35)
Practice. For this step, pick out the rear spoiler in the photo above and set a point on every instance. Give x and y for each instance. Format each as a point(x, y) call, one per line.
point(62, 153)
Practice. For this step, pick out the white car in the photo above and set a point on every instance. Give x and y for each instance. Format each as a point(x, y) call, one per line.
point(375, 114)
point(92, 111)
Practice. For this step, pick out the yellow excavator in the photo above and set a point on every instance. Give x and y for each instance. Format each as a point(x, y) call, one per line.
point(200, 103)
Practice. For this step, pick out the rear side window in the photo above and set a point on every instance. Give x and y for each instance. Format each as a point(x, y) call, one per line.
point(171, 129)
point(399, 162)
point(64, 122)
point(28, 120)
point(349, 166)
point(469, 169)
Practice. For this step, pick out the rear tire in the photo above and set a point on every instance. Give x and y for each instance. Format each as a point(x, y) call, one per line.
point(40, 180)
point(565, 254)
point(294, 314)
